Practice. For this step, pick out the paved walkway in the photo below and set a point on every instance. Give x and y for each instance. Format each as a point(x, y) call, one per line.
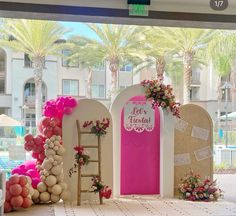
point(227, 183)
point(145, 206)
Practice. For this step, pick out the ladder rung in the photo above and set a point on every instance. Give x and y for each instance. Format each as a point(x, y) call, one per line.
point(85, 191)
point(87, 132)
point(90, 146)
point(94, 161)
point(89, 175)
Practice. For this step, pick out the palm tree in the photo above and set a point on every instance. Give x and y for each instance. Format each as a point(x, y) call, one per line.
point(37, 39)
point(84, 56)
point(188, 42)
point(222, 53)
point(115, 44)
point(157, 50)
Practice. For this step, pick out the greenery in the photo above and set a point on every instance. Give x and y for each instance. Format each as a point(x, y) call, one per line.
point(38, 39)
point(231, 138)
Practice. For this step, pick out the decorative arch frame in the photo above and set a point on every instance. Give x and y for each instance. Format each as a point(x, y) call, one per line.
point(166, 143)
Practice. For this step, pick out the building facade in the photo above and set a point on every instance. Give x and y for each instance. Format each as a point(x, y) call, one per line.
point(17, 89)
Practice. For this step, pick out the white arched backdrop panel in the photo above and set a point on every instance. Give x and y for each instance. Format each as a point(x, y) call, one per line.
point(87, 110)
point(166, 143)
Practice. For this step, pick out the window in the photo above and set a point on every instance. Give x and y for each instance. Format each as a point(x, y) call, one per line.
point(29, 92)
point(66, 62)
point(70, 87)
point(98, 91)
point(30, 120)
point(194, 94)
point(2, 86)
point(28, 62)
point(126, 68)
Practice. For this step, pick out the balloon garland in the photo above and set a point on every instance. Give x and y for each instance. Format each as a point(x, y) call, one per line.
point(46, 174)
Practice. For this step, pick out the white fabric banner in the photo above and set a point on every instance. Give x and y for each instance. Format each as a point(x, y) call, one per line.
point(203, 153)
point(180, 124)
point(200, 133)
point(182, 159)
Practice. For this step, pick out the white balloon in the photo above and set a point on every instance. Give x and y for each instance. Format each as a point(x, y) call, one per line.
point(56, 170)
point(35, 195)
point(47, 164)
point(55, 148)
point(61, 150)
point(41, 187)
point(56, 189)
point(65, 195)
point(63, 185)
point(51, 180)
point(44, 197)
point(50, 152)
point(55, 198)
point(58, 158)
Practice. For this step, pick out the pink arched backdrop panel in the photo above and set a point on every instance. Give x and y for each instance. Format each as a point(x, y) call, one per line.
point(140, 158)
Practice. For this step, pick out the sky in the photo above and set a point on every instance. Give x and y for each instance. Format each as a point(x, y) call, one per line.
point(78, 28)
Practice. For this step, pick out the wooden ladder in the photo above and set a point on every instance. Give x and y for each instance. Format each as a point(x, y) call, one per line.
point(80, 175)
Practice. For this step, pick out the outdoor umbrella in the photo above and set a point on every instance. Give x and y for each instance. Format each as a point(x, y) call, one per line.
point(231, 116)
point(6, 121)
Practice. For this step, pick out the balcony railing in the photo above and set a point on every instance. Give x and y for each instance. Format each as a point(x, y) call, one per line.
point(30, 100)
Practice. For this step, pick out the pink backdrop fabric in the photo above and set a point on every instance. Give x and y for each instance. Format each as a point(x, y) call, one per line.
point(140, 158)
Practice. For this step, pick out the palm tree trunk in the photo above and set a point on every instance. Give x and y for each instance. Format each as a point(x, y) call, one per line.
point(160, 68)
point(38, 63)
point(187, 62)
point(89, 83)
point(114, 68)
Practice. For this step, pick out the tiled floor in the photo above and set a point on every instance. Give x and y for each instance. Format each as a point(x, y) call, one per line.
point(134, 206)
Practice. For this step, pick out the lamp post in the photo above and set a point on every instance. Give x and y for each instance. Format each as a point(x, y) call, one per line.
point(226, 87)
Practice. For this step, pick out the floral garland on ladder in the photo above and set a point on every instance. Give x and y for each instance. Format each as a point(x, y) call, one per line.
point(81, 159)
point(161, 95)
point(103, 190)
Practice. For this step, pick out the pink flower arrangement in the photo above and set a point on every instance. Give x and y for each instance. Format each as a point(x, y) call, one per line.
point(103, 190)
point(97, 127)
point(161, 95)
point(192, 188)
point(81, 159)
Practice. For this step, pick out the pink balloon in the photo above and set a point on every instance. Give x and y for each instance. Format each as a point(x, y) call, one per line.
point(14, 179)
point(27, 202)
point(32, 173)
point(16, 171)
point(35, 182)
point(15, 189)
point(7, 207)
point(47, 132)
point(35, 155)
point(25, 192)
point(23, 181)
point(28, 137)
point(68, 110)
point(57, 131)
point(28, 146)
point(8, 195)
point(72, 103)
point(46, 122)
point(17, 201)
